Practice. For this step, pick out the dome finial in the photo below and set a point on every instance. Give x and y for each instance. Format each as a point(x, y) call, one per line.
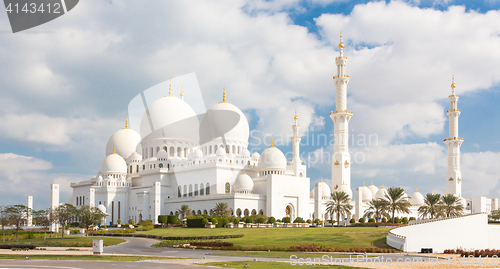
point(341, 44)
point(295, 118)
point(453, 86)
point(363, 184)
point(382, 186)
point(343, 182)
point(243, 171)
point(432, 192)
point(182, 91)
point(272, 143)
point(126, 122)
point(170, 88)
point(224, 95)
point(416, 189)
point(321, 179)
point(371, 183)
point(114, 150)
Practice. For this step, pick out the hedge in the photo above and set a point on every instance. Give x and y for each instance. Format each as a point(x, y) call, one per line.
point(316, 248)
point(159, 237)
point(211, 244)
point(17, 246)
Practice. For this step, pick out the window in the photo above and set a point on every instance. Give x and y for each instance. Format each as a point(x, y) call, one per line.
point(190, 190)
point(196, 190)
point(143, 167)
point(179, 192)
point(202, 189)
point(207, 189)
point(228, 187)
point(160, 165)
point(179, 152)
point(185, 191)
point(137, 168)
point(172, 152)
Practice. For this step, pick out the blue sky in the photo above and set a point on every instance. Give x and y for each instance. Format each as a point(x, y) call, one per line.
point(66, 84)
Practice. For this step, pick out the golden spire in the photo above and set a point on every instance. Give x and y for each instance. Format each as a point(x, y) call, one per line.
point(126, 123)
point(321, 179)
point(416, 189)
point(343, 182)
point(453, 86)
point(182, 91)
point(341, 44)
point(170, 88)
point(363, 184)
point(432, 192)
point(224, 95)
point(372, 183)
point(272, 144)
point(382, 186)
point(295, 118)
point(243, 171)
point(114, 150)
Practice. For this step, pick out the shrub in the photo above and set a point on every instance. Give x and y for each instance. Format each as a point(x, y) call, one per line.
point(405, 220)
point(318, 221)
point(248, 219)
point(371, 220)
point(131, 222)
point(119, 221)
point(412, 218)
point(397, 220)
point(204, 221)
point(384, 220)
point(236, 220)
point(260, 219)
point(315, 248)
point(309, 221)
point(278, 220)
point(352, 221)
point(362, 220)
point(162, 219)
point(214, 221)
point(172, 219)
point(18, 246)
point(271, 220)
point(298, 220)
point(286, 220)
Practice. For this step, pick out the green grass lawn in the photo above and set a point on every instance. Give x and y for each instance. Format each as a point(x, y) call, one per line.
point(82, 257)
point(344, 237)
point(68, 241)
point(279, 254)
point(274, 265)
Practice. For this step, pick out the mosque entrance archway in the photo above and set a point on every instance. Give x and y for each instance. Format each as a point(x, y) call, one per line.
point(290, 212)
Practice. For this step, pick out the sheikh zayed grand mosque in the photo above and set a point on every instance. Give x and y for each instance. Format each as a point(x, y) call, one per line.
point(180, 160)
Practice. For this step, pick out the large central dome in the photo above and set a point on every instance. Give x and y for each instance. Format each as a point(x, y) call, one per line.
point(171, 118)
point(224, 120)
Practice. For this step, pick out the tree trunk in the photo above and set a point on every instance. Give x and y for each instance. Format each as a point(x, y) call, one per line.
point(17, 231)
point(62, 233)
point(338, 219)
point(87, 231)
point(3, 233)
point(45, 233)
point(393, 216)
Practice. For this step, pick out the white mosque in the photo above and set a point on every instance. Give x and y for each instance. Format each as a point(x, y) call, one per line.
point(179, 160)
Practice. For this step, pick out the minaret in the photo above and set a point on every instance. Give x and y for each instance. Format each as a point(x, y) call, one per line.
point(453, 143)
point(296, 142)
point(341, 158)
point(182, 92)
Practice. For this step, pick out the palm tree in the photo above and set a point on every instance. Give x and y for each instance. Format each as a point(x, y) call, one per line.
point(452, 206)
point(377, 208)
point(185, 211)
point(340, 204)
point(397, 202)
point(432, 206)
point(222, 209)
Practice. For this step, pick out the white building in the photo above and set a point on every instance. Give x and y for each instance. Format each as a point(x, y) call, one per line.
point(177, 159)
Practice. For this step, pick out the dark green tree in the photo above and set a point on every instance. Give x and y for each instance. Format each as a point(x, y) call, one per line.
point(339, 205)
point(433, 206)
point(90, 216)
point(18, 214)
point(377, 208)
point(397, 201)
point(451, 206)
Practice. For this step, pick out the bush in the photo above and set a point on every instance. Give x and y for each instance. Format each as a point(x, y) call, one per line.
point(286, 220)
point(318, 221)
point(405, 220)
point(384, 220)
point(352, 221)
point(260, 219)
point(371, 220)
point(172, 219)
point(119, 221)
point(362, 220)
point(248, 219)
point(214, 221)
point(131, 222)
point(271, 220)
point(397, 220)
point(309, 221)
point(412, 218)
point(315, 248)
point(18, 246)
point(163, 219)
point(278, 220)
point(204, 221)
point(235, 220)
point(298, 220)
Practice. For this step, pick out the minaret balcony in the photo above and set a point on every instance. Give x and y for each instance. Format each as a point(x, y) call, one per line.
point(341, 76)
point(341, 112)
point(340, 57)
point(453, 110)
point(454, 138)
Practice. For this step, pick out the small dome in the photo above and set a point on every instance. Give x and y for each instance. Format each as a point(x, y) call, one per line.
point(224, 120)
point(162, 154)
point(417, 198)
point(245, 153)
point(124, 141)
point(272, 158)
point(325, 190)
point(99, 178)
point(221, 152)
point(243, 183)
point(373, 189)
point(381, 193)
point(114, 163)
point(135, 157)
point(462, 201)
point(255, 156)
point(345, 189)
point(366, 194)
point(102, 208)
point(198, 153)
